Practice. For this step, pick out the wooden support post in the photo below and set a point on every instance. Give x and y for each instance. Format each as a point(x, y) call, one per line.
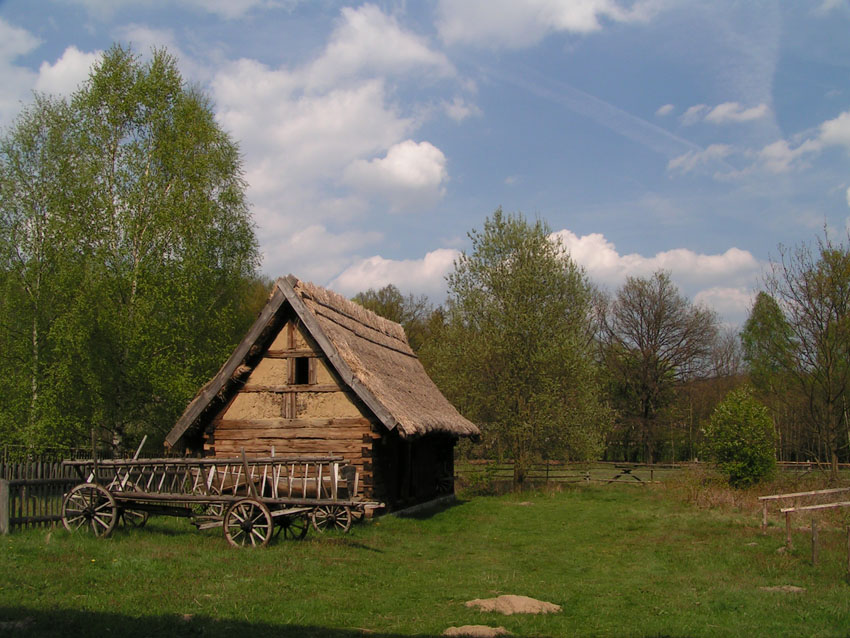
point(4, 507)
point(248, 478)
point(764, 517)
point(788, 545)
point(814, 541)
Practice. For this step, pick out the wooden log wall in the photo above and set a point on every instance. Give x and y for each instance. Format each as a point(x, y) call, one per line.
point(294, 403)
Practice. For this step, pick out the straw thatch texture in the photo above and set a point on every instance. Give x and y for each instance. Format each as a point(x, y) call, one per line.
point(371, 354)
point(378, 354)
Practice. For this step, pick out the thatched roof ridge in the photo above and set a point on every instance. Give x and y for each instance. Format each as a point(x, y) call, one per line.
point(368, 322)
point(370, 354)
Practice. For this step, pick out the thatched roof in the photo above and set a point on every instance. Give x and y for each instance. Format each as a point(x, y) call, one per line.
point(369, 353)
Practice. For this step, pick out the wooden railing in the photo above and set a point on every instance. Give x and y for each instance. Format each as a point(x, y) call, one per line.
point(568, 472)
point(31, 502)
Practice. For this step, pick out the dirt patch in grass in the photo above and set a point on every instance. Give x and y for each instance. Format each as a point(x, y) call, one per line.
point(785, 589)
point(510, 604)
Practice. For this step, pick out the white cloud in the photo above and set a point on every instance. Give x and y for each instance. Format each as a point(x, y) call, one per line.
point(329, 141)
point(732, 112)
point(848, 196)
point(603, 263)
point(664, 110)
point(507, 23)
point(67, 73)
point(459, 109)
point(411, 175)
point(693, 114)
point(721, 281)
point(232, 9)
point(367, 41)
point(417, 276)
point(16, 81)
point(296, 142)
point(779, 157)
point(733, 304)
point(837, 131)
point(694, 159)
point(292, 247)
point(725, 113)
point(15, 41)
point(143, 38)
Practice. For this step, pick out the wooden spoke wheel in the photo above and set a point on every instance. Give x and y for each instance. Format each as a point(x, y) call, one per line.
point(327, 517)
point(90, 508)
point(248, 523)
point(294, 527)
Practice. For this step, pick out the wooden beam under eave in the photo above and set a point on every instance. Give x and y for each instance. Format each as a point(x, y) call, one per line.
point(202, 400)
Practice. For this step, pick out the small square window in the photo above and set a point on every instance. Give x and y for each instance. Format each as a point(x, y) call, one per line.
point(302, 371)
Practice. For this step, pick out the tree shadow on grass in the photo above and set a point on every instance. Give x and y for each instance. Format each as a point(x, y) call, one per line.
point(25, 623)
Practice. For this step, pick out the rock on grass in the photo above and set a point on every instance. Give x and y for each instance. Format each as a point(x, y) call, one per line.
point(509, 604)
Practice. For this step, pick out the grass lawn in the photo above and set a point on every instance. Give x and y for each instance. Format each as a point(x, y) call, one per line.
point(620, 560)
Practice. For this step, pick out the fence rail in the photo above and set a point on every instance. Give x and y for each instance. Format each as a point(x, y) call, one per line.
point(31, 491)
point(31, 502)
point(566, 472)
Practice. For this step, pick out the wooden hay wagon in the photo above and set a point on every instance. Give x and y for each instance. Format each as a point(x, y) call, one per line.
point(251, 499)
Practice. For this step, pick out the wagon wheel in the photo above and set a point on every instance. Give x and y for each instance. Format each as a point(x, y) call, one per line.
point(445, 483)
point(130, 517)
point(327, 517)
point(248, 523)
point(294, 527)
point(89, 507)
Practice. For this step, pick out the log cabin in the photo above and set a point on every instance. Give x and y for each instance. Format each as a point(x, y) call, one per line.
point(319, 374)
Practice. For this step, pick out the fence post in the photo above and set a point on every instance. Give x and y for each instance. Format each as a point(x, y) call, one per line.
point(4, 506)
point(788, 544)
point(814, 542)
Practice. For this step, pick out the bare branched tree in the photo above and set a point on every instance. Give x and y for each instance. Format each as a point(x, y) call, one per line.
point(653, 339)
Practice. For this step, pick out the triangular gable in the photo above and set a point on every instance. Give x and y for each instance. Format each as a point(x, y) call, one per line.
point(283, 292)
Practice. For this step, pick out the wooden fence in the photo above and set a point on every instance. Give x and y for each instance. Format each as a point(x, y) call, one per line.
point(556, 471)
point(31, 492)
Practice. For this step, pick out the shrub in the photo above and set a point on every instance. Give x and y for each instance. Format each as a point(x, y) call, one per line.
point(741, 439)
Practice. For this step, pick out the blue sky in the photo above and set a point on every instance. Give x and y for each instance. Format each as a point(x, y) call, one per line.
point(690, 136)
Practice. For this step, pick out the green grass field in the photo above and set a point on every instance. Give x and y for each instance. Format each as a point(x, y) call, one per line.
point(620, 560)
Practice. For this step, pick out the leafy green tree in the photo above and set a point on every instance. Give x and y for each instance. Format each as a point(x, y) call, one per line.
point(413, 313)
point(37, 167)
point(149, 251)
point(768, 347)
point(767, 342)
point(740, 438)
point(515, 351)
point(807, 346)
point(653, 340)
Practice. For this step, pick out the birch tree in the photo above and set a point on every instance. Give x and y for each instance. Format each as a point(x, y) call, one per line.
point(156, 245)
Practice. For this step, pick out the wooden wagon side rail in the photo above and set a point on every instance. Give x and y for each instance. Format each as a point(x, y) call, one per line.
point(274, 477)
